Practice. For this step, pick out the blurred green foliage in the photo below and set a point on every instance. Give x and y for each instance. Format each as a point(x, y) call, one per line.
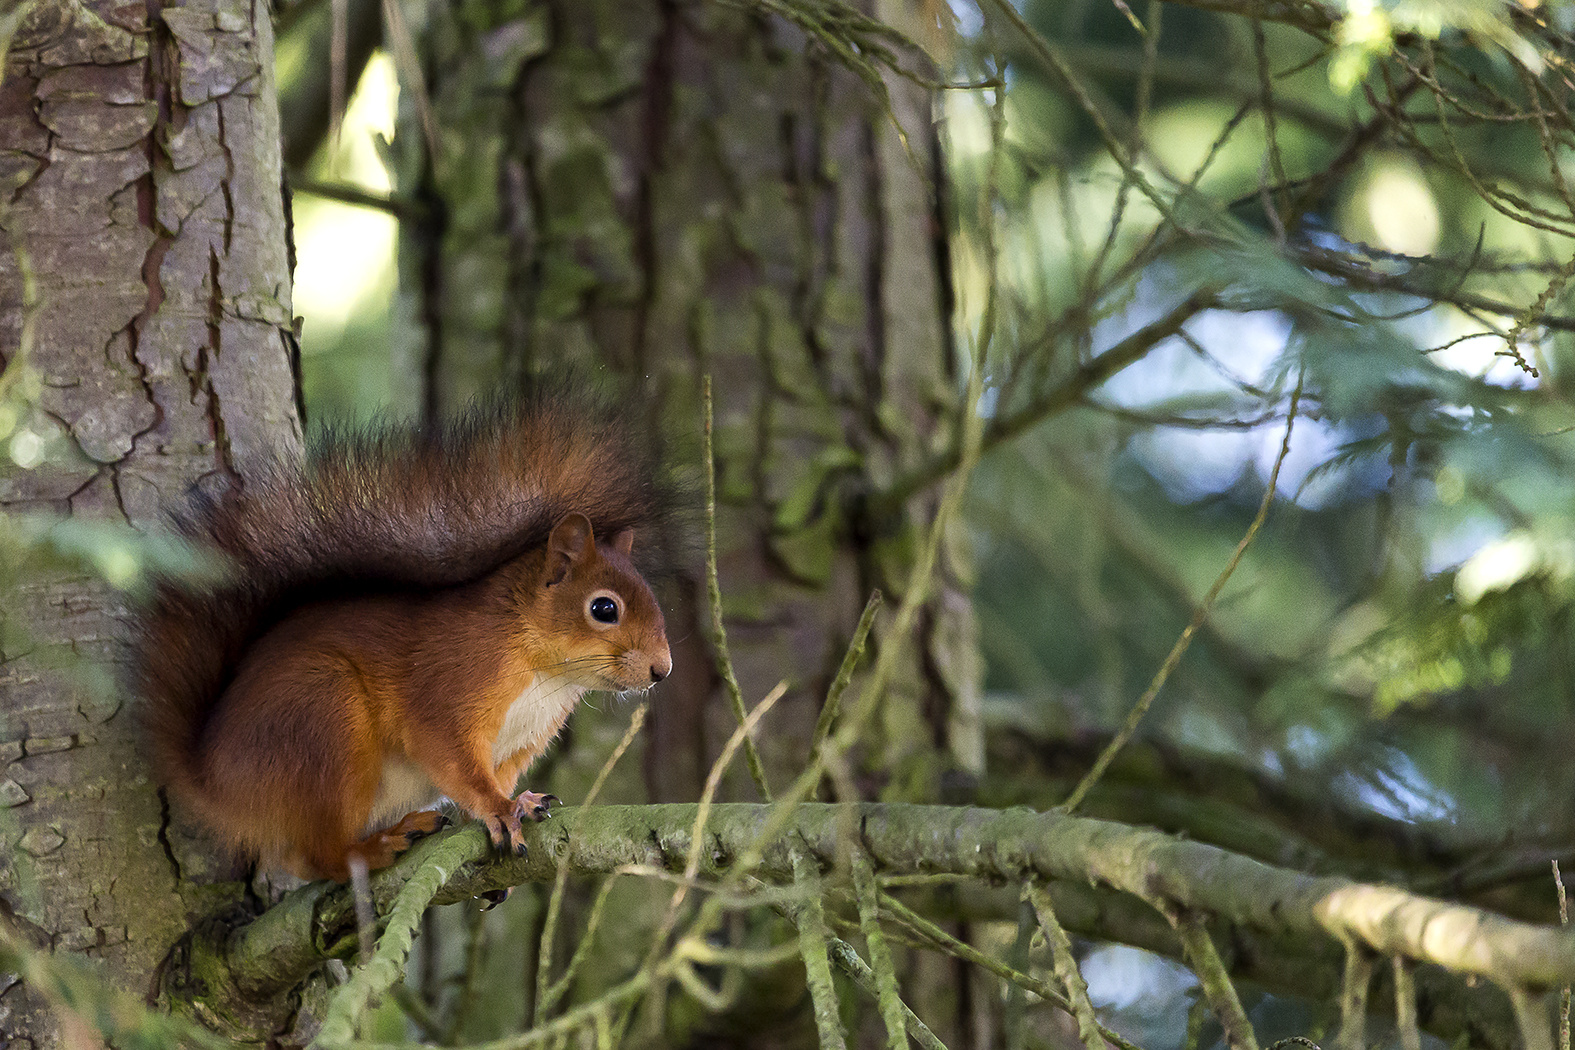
point(1400, 632)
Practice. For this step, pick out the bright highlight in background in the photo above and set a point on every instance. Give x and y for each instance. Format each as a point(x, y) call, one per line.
point(345, 253)
point(1402, 210)
point(1393, 208)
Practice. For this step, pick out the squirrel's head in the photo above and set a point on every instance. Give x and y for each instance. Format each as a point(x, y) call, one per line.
point(601, 611)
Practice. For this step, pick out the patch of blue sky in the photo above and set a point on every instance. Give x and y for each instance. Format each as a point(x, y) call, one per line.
point(1400, 791)
point(1193, 463)
point(1120, 977)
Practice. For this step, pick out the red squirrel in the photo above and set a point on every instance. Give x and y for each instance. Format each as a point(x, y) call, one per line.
point(412, 615)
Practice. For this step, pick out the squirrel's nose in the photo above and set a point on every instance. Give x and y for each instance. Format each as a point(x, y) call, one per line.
point(661, 667)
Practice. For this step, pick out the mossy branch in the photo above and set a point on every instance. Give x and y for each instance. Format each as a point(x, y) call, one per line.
point(277, 950)
point(387, 964)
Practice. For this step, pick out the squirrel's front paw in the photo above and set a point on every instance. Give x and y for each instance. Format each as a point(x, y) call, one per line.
point(506, 831)
point(535, 805)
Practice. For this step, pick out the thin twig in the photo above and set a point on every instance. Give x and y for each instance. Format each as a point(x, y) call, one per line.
point(859, 973)
point(1015, 1011)
point(697, 843)
point(1135, 716)
point(850, 659)
point(365, 913)
point(1214, 979)
point(545, 997)
point(401, 208)
point(408, 63)
point(553, 992)
point(1197, 1013)
point(1354, 987)
point(1065, 964)
point(338, 49)
point(885, 971)
point(416, 1009)
point(387, 964)
point(1405, 1005)
point(724, 659)
point(1531, 1016)
point(968, 953)
point(469, 978)
point(1564, 990)
point(812, 946)
point(1068, 394)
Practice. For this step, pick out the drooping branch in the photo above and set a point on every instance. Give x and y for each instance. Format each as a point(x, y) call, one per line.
point(1068, 393)
point(1448, 1006)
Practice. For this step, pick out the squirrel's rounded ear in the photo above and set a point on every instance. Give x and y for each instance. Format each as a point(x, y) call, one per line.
point(623, 542)
point(569, 541)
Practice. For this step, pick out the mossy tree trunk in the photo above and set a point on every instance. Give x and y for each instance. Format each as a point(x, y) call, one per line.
point(669, 189)
point(673, 189)
point(139, 154)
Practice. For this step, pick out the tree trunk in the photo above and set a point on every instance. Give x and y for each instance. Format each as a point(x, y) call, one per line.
point(139, 145)
point(669, 189)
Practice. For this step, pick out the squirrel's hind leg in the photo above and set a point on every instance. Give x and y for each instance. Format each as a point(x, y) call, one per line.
point(328, 855)
point(381, 847)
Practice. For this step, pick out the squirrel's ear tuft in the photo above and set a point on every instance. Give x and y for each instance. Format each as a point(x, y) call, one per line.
point(623, 542)
point(570, 540)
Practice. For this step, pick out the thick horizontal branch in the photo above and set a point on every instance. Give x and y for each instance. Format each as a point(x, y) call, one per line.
point(281, 947)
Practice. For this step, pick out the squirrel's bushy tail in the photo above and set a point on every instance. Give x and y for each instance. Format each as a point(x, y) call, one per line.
point(386, 509)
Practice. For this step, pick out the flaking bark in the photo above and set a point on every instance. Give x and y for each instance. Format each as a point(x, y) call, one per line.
point(139, 154)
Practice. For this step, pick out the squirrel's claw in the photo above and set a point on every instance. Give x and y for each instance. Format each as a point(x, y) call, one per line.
point(536, 806)
point(506, 830)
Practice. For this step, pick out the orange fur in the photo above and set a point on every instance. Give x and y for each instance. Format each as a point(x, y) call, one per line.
point(292, 760)
point(415, 619)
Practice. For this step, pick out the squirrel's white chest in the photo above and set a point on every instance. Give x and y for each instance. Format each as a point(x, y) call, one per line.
point(535, 716)
point(532, 720)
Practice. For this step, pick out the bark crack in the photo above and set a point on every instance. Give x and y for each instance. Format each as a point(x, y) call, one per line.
point(229, 174)
point(815, 194)
point(164, 836)
point(523, 205)
point(155, 87)
point(37, 173)
point(206, 356)
point(873, 358)
point(941, 245)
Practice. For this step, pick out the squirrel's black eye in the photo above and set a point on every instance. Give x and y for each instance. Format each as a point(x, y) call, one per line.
point(604, 610)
